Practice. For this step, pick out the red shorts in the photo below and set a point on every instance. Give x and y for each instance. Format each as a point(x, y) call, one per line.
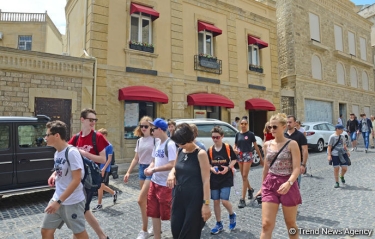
point(269, 191)
point(159, 202)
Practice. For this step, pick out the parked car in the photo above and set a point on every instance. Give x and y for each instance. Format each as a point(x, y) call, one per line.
point(204, 134)
point(25, 159)
point(317, 134)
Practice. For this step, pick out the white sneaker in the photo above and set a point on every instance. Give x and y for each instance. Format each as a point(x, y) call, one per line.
point(143, 235)
point(150, 231)
point(352, 149)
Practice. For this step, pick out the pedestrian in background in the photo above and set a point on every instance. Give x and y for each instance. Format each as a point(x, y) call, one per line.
point(339, 120)
point(143, 157)
point(235, 122)
point(267, 133)
point(372, 132)
point(195, 131)
point(280, 172)
point(171, 128)
point(105, 169)
point(190, 178)
point(299, 128)
point(352, 128)
point(365, 126)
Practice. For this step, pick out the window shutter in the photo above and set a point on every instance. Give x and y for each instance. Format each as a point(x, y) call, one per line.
point(351, 40)
point(362, 43)
point(338, 38)
point(314, 27)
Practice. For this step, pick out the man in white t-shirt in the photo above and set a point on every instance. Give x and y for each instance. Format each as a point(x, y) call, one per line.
point(68, 202)
point(159, 198)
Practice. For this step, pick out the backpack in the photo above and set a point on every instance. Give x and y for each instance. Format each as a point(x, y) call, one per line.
point(165, 146)
point(92, 179)
point(226, 147)
point(76, 137)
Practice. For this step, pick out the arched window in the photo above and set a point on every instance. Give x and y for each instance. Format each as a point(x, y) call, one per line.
point(353, 77)
point(340, 73)
point(316, 67)
point(364, 80)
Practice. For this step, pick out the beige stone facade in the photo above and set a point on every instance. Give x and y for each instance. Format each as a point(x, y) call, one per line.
point(344, 82)
point(172, 64)
point(26, 76)
point(38, 29)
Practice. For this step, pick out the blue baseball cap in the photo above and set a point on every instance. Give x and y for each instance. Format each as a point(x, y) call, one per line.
point(339, 126)
point(160, 123)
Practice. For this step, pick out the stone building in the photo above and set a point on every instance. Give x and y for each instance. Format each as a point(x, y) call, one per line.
point(325, 59)
point(176, 59)
point(30, 31)
point(33, 83)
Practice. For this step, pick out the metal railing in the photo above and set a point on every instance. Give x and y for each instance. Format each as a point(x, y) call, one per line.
point(207, 64)
point(22, 17)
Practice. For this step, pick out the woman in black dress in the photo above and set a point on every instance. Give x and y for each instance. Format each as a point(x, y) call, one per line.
point(190, 178)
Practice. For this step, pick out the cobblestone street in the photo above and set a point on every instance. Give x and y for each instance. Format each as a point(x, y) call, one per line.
point(351, 206)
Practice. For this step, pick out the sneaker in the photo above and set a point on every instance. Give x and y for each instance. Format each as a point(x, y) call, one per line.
point(242, 203)
point(250, 194)
point(352, 149)
point(217, 229)
point(143, 235)
point(115, 197)
point(337, 185)
point(97, 208)
point(150, 231)
point(366, 150)
point(232, 221)
point(342, 179)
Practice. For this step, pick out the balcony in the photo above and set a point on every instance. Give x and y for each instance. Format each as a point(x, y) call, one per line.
point(207, 64)
point(22, 17)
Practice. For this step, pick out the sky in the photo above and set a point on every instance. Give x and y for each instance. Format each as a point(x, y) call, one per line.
point(56, 8)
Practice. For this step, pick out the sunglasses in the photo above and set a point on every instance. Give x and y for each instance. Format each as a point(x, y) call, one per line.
point(143, 126)
point(216, 137)
point(243, 123)
point(272, 127)
point(92, 120)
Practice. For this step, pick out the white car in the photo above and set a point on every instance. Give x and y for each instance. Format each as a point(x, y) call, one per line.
point(204, 134)
point(317, 134)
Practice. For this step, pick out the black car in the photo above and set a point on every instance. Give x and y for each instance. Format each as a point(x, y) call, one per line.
point(25, 159)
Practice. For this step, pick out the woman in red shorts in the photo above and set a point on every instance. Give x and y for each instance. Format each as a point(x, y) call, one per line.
point(279, 179)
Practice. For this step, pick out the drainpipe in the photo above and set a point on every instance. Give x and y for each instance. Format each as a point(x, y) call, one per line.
point(85, 26)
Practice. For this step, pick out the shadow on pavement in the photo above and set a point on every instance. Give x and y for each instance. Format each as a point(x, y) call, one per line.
point(320, 220)
point(355, 188)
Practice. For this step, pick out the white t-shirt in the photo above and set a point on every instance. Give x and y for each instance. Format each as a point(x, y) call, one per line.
point(158, 153)
point(64, 175)
point(144, 148)
point(301, 129)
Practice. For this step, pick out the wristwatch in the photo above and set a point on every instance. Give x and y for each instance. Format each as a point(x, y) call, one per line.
point(291, 183)
point(206, 201)
point(58, 201)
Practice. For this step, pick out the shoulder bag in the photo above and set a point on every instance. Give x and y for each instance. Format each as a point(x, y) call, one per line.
point(330, 161)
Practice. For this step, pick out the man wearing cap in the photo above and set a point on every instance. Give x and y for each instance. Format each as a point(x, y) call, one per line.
point(365, 126)
point(352, 128)
point(337, 142)
point(159, 196)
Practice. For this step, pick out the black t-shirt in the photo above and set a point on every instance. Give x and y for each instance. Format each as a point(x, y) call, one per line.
point(352, 125)
point(218, 181)
point(299, 138)
point(244, 141)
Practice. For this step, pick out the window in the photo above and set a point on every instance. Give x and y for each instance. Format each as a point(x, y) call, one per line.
point(141, 28)
point(314, 27)
point(24, 43)
point(351, 41)
point(205, 43)
point(331, 127)
point(134, 111)
point(362, 43)
point(30, 136)
point(4, 137)
point(338, 38)
point(364, 81)
point(228, 132)
point(355, 110)
point(254, 55)
point(213, 112)
point(340, 73)
point(316, 67)
point(353, 77)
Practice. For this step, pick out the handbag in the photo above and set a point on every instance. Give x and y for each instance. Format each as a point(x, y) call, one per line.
point(330, 161)
point(347, 159)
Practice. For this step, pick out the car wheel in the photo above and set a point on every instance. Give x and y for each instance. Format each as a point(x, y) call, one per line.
point(256, 158)
point(320, 145)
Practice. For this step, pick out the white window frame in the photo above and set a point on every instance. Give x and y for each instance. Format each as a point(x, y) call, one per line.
point(205, 34)
point(250, 50)
point(314, 33)
point(352, 49)
point(363, 48)
point(25, 42)
point(140, 18)
point(338, 38)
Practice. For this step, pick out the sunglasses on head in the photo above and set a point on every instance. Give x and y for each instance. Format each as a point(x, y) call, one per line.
point(92, 119)
point(143, 126)
point(216, 137)
point(272, 127)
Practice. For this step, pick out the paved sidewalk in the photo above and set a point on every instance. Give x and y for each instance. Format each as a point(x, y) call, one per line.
point(350, 206)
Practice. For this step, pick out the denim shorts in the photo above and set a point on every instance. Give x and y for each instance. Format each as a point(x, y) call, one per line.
point(223, 193)
point(141, 172)
point(353, 136)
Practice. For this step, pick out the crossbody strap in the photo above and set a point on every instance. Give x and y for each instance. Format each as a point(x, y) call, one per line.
point(336, 143)
point(274, 159)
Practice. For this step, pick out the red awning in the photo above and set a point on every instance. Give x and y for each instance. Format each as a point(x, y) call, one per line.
point(256, 41)
point(259, 104)
point(139, 8)
point(205, 99)
point(142, 93)
point(209, 27)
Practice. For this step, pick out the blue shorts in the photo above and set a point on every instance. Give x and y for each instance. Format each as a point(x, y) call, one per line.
point(336, 162)
point(223, 193)
point(353, 136)
point(141, 172)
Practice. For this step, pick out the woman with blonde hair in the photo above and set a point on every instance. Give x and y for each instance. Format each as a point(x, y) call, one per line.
point(267, 133)
point(143, 152)
point(280, 172)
